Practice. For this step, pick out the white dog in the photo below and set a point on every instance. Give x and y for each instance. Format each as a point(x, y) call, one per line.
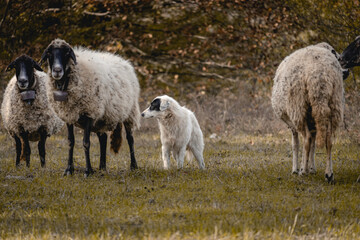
point(179, 130)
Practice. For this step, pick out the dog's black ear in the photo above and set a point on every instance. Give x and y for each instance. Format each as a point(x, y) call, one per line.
point(164, 105)
point(45, 54)
point(11, 65)
point(36, 66)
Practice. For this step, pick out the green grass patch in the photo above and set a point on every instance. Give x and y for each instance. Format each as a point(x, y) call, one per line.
point(246, 192)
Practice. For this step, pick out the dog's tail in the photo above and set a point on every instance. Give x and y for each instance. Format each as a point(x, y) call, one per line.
point(116, 139)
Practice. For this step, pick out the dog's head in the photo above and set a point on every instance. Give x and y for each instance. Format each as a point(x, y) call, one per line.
point(158, 107)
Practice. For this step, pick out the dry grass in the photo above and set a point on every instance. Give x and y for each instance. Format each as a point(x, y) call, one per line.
point(246, 192)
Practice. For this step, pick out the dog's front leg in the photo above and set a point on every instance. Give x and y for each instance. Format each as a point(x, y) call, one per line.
point(179, 156)
point(166, 156)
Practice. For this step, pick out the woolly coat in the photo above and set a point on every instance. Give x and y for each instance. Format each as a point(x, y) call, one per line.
point(309, 83)
point(18, 116)
point(102, 86)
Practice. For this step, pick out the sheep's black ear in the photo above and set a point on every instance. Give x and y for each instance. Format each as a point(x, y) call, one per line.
point(345, 73)
point(36, 66)
point(72, 55)
point(45, 54)
point(11, 65)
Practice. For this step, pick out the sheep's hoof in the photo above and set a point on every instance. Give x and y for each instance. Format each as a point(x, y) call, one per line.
point(88, 172)
point(296, 171)
point(133, 166)
point(102, 167)
point(69, 171)
point(330, 179)
point(42, 162)
point(302, 172)
point(312, 171)
point(28, 163)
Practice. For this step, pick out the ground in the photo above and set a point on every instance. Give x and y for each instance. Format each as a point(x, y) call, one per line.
point(247, 191)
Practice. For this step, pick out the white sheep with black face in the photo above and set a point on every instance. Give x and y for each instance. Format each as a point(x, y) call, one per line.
point(96, 91)
point(179, 130)
point(308, 96)
point(25, 110)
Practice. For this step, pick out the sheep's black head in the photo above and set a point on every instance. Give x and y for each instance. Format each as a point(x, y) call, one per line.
point(58, 54)
point(350, 57)
point(24, 66)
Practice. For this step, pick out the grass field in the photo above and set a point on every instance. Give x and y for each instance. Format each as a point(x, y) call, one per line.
point(246, 192)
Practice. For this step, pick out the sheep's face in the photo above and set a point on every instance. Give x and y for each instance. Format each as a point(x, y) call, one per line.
point(24, 66)
point(58, 58)
point(350, 57)
point(157, 108)
point(58, 62)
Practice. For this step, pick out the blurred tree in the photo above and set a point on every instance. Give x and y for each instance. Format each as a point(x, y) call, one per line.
point(201, 44)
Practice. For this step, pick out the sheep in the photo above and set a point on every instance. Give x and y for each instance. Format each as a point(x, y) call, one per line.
point(25, 110)
point(350, 57)
point(345, 71)
point(179, 128)
point(96, 91)
point(308, 96)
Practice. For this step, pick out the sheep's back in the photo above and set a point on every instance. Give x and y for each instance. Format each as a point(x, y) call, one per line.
point(308, 77)
point(104, 87)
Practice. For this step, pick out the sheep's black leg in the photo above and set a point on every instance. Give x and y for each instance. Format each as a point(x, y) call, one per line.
point(18, 150)
point(103, 141)
point(70, 168)
point(130, 140)
point(41, 147)
point(27, 150)
point(86, 144)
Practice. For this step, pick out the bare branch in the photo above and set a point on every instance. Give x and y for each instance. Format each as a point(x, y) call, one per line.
point(52, 10)
point(6, 11)
point(96, 13)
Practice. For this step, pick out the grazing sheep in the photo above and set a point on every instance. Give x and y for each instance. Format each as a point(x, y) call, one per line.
point(345, 71)
point(96, 91)
point(179, 129)
point(350, 57)
point(308, 96)
point(25, 109)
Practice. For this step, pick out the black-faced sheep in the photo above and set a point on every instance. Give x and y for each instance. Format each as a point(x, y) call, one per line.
point(96, 91)
point(308, 96)
point(26, 112)
point(350, 57)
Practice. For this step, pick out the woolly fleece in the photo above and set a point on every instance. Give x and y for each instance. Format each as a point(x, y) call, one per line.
point(310, 78)
point(17, 115)
point(102, 86)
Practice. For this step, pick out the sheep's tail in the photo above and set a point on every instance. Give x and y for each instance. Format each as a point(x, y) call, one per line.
point(323, 126)
point(116, 139)
point(327, 104)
